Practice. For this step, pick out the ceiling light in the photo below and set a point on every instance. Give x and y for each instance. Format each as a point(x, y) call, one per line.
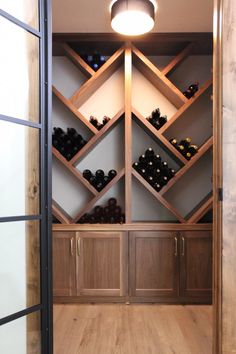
point(133, 17)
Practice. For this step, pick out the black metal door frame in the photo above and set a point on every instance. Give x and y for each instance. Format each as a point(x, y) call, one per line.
point(44, 34)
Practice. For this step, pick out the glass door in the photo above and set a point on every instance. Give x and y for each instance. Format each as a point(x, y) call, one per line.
point(25, 192)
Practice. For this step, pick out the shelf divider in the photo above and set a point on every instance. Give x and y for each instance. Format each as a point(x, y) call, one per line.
point(92, 202)
point(205, 207)
point(77, 60)
point(178, 59)
point(204, 148)
point(158, 196)
point(60, 214)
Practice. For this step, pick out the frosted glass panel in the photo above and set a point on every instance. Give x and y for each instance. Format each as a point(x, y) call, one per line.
point(19, 72)
point(21, 336)
point(19, 182)
point(19, 266)
point(24, 10)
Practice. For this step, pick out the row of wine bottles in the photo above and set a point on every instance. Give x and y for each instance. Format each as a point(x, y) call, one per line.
point(156, 119)
point(95, 60)
point(99, 180)
point(110, 214)
point(192, 89)
point(94, 121)
point(151, 167)
point(185, 147)
point(67, 143)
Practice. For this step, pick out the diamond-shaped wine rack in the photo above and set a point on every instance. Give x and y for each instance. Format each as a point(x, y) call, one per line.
point(160, 81)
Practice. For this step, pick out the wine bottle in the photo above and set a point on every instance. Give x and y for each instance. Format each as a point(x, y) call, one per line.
point(98, 210)
point(93, 180)
point(99, 126)
point(174, 142)
point(156, 114)
point(112, 202)
point(112, 174)
point(87, 174)
point(194, 87)
point(99, 186)
point(162, 120)
point(149, 152)
point(181, 149)
point(143, 159)
point(106, 180)
point(136, 166)
point(93, 121)
point(157, 186)
point(193, 149)
point(164, 165)
point(105, 120)
point(185, 142)
point(100, 174)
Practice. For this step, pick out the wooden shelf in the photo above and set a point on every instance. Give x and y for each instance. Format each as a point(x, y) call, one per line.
point(99, 78)
point(205, 147)
point(60, 214)
point(73, 109)
point(158, 79)
point(158, 196)
point(90, 204)
point(77, 60)
point(150, 128)
point(97, 137)
point(186, 106)
point(74, 171)
point(177, 60)
point(201, 211)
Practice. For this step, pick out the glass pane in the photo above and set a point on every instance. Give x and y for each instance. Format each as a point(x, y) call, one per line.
point(19, 266)
point(19, 72)
point(24, 10)
point(19, 182)
point(22, 336)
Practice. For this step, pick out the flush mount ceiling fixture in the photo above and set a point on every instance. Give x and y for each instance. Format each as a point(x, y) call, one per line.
point(133, 17)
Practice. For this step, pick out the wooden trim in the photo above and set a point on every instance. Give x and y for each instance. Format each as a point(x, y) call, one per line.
point(160, 81)
point(202, 151)
point(187, 105)
point(99, 78)
point(207, 205)
point(132, 227)
point(100, 134)
point(128, 134)
point(77, 60)
point(73, 110)
point(158, 196)
point(60, 214)
point(156, 133)
point(89, 205)
point(178, 59)
point(74, 171)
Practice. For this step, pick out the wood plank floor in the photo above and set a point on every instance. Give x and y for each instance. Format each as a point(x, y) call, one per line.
point(133, 329)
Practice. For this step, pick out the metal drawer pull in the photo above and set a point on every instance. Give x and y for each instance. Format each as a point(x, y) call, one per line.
point(183, 246)
point(72, 246)
point(78, 246)
point(176, 247)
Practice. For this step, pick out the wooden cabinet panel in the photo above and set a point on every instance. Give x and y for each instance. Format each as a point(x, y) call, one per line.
point(153, 264)
point(196, 264)
point(101, 261)
point(64, 279)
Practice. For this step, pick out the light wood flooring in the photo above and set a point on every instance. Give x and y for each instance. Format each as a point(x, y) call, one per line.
point(132, 329)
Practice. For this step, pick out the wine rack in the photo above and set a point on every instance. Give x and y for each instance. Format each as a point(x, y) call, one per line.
point(127, 57)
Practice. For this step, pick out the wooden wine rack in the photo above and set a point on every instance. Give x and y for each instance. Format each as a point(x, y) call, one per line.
point(129, 55)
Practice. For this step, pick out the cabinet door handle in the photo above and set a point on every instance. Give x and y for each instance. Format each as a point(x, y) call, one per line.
point(78, 246)
point(72, 246)
point(183, 246)
point(176, 247)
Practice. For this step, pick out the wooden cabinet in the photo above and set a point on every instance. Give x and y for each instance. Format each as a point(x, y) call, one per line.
point(153, 264)
point(196, 264)
point(64, 275)
point(89, 264)
point(171, 265)
point(101, 263)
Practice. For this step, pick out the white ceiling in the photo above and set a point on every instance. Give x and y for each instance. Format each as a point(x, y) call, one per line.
point(93, 16)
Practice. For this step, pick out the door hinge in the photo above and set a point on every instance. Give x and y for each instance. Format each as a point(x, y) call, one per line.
point(220, 194)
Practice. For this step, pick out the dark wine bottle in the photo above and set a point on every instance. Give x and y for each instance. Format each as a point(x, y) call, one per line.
point(185, 142)
point(106, 180)
point(105, 120)
point(156, 114)
point(136, 166)
point(174, 142)
point(112, 202)
point(93, 121)
point(112, 174)
point(93, 180)
point(194, 87)
point(100, 174)
point(181, 149)
point(149, 152)
point(162, 120)
point(142, 159)
point(99, 186)
point(157, 186)
point(87, 174)
point(98, 210)
point(193, 149)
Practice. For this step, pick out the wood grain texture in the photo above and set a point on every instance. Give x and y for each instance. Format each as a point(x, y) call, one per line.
point(186, 106)
point(97, 137)
point(158, 79)
point(77, 60)
point(196, 264)
point(229, 174)
point(73, 109)
point(154, 265)
point(99, 78)
point(178, 59)
point(134, 329)
point(60, 213)
point(201, 152)
point(156, 133)
point(205, 207)
point(93, 201)
point(158, 196)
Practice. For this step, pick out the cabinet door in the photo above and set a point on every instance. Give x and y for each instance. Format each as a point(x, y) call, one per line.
point(64, 266)
point(101, 263)
point(196, 264)
point(153, 264)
